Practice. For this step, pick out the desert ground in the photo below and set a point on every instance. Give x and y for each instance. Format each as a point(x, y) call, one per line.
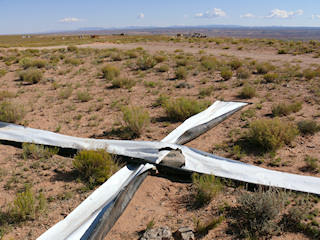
point(73, 95)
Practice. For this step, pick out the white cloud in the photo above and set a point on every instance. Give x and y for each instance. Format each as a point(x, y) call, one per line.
point(214, 13)
point(140, 16)
point(248, 15)
point(315, 16)
point(71, 20)
point(277, 13)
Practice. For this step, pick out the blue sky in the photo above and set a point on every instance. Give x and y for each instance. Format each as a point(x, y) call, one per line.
point(33, 16)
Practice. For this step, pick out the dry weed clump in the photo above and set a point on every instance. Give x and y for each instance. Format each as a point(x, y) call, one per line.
point(6, 94)
point(182, 108)
point(31, 62)
point(226, 73)
point(206, 187)
point(11, 112)
point(146, 62)
point(136, 119)
point(31, 150)
point(110, 72)
point(95, 166)
point(181, 72)
point(308, 127)
point(283, 109)
point(260, 212)
point(84, 96)
point(123, 83)
point(243, 73)
point(271, 134)
point(265, 67)
point(31, 75)
point(248, 91)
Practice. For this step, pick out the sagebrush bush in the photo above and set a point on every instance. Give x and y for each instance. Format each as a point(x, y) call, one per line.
point(31, 62)
point(31, 150)
point(136, 118)
point(95, 166)
point(31, 75)
point(182, 108)
point(271, 77)
point(207, 91)
point(11, 112)
point(123, 83)
point(243, 73)
point(206, 187)
point(163, 68)
point(271, 134)
point(72, 48)
point(284, 109)
point(84, 96)
point(161, 100)
point(309, 73)
point(248, 91)
point(117, 56)
point(73, 61)
point(226, 73)
point(65, 93)
point(145, 62)
point(235, 63)
point(160, 58)
point(265, 67)
point(5, 94)
point(181, 72)
point(260, 212)
point(311, 163)
point(2, 72)
point(27, 206)
point(110, 72)
point(308, 127)
point(210, 64)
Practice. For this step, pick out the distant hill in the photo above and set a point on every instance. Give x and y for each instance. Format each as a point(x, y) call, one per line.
point(278, 32)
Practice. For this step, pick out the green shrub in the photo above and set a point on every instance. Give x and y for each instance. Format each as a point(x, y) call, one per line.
point(207, 91)
point(84, 96)
point(210, 64)
point(73, 61)
point(248, 91)
point(163, 68)
point(31, 75)
point(235, 64)
point(181, 72)
point(308, 127)
point(118, 56)
point(161, 100)
point(123, 83)
point(226, 73)
point(5, 94)
point(183, 108)
point(132, 53)
point(65, 93)
point(206, 187)
point(271, 77)
point(110, 72)
point(72, 48)
point(159, 58)
point(95, 166)
point(271, 134)
point(311, 163)
point(309, 73)
point(283, 109)
point(282, 51)
point(136, 118)
point(27, 206)
point(145, 62)
point(31, 150)
point(11, 112)
point(31, 62)
point(243, 73)
point(265, 67)
point(2, 72)
point(260, 212)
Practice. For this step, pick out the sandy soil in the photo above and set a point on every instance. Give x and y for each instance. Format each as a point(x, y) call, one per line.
point(168, 202)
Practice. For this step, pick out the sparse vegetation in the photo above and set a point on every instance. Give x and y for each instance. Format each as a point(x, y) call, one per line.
point(206, 187)
point(311, 163)
point(271, 134)
point(145, 62)
point(308, 127)
point(11, 112)
point(260, 212)
point(248, 91)
point(110, 72)
point(65, 93)
point(181, 72)
point(31, 75)
point(226, 73)
point(283, 109)
point(31, 150)
point(265, 67)
point(183, 108)
point(84, 96)
point(123, 83)
point(136, 119)
point(95, 166)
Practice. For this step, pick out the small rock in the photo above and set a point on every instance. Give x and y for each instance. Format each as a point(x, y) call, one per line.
point(161, 233)
point(184, 233)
